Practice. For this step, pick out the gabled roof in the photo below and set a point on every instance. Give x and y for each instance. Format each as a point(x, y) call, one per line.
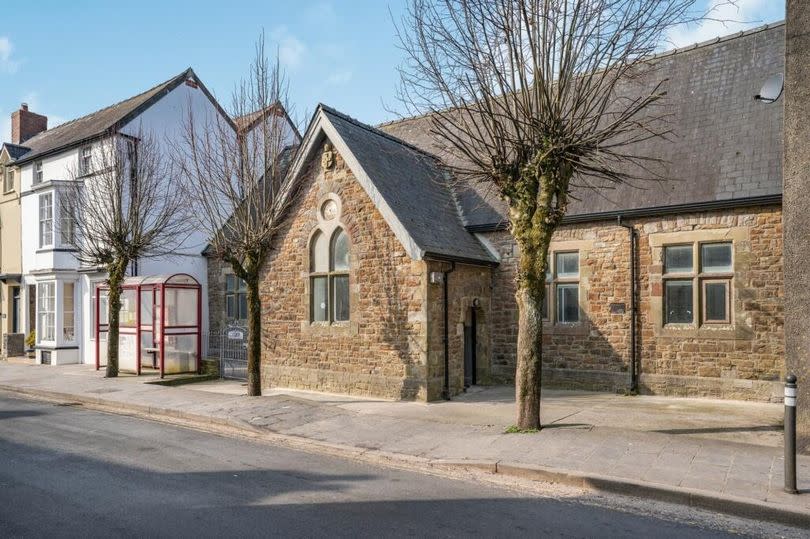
point(408, 186)
point(96, 124)
point(14, 150)
point(726, 147)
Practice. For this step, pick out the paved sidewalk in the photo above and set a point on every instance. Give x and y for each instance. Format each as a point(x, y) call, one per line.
point(671, 449)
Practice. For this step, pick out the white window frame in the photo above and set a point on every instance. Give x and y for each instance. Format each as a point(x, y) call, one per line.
point(45, 221)
point(39, 174)
point(69, 315)
point(46, 312)
point(85, 160)
point(67, 227)
point(8, 179)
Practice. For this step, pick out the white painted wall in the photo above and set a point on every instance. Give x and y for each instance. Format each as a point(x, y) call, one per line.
point(163, 120)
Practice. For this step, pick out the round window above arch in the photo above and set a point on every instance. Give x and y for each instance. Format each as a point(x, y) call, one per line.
point(329, 210)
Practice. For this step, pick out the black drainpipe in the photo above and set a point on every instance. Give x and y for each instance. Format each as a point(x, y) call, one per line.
point(633, 309)
point(446, 390)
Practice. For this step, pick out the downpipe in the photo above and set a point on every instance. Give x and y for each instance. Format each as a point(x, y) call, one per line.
point(633, 310)
point(445, 285)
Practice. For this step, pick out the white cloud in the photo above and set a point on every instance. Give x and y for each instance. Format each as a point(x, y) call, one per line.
point(291, 50)
point(339, 77)
point(7, 63)
point(727, 18)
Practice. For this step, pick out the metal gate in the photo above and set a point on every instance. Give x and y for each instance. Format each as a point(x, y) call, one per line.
point(230, 347)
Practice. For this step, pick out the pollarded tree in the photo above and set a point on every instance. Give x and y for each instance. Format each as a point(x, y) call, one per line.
point(120, 206)
point(536, 97)
point(235, 180)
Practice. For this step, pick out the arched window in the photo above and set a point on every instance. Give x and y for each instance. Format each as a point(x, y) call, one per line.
point(329, 277)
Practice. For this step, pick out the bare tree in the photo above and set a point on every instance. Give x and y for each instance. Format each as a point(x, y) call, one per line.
point(235, 180)
point(121, 205)
point(537, 97)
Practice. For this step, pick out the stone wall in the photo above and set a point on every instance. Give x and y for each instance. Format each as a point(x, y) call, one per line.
point(13, 344)
point(742, 360)
point(382, 350)
point(465, 285)
point(217, 318)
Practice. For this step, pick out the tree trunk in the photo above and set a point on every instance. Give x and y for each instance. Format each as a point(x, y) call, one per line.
point(254, 351)
point(116, 272)
point(529, 359)
point(537, 205)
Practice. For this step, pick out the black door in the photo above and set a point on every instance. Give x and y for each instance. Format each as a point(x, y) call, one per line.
point(15, 309)
point(469, 349)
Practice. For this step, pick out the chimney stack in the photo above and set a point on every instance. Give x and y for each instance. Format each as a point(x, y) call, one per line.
point(25, 124)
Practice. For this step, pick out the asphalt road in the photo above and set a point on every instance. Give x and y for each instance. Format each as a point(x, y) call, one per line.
point(70, 472)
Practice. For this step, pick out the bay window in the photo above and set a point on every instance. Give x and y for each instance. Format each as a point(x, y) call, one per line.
point(46, 307)
point(68, 312)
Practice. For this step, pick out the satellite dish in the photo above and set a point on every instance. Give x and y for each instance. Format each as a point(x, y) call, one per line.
point(772, 89)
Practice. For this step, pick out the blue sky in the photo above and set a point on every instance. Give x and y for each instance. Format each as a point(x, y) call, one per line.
point(67, 59)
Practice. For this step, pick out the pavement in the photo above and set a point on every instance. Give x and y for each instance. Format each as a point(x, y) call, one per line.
point(719, 455)
point(67, 471)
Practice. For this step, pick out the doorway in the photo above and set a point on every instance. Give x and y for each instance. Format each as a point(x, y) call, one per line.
point(15, 309)
point(32, 308)
point(470, 346)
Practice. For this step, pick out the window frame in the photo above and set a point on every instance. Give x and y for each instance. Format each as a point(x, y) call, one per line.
point(67, 227)
point(72, 311)
point(44, 228)
point(39, 173)
point(235, 292)
point(553, 283)
point(330, 276)
point(699, 278)
point(85, 168)
point(43, 319)
point(704, 317)
point(8, 179)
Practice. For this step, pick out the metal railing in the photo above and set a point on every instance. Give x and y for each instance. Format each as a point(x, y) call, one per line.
point(229, 346)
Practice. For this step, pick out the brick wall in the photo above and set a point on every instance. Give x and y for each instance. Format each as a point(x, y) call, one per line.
point(26, 124)
point(741, 361)
point(382, 351)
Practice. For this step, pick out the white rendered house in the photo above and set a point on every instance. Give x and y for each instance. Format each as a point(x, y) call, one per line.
point(57, 292)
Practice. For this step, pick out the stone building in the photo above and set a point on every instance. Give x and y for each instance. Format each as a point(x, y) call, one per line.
point(392, 279)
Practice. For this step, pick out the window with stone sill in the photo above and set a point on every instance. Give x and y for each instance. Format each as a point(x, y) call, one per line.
point(697, 284)
point(329, 277)
point(562, 288)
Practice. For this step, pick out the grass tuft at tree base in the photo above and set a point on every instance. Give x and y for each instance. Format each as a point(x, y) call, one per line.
point(514, 429)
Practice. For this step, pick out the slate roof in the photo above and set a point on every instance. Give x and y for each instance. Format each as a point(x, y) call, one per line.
point(726, 145)
point(15, 151)
point(413, 184)
point(93, 125)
